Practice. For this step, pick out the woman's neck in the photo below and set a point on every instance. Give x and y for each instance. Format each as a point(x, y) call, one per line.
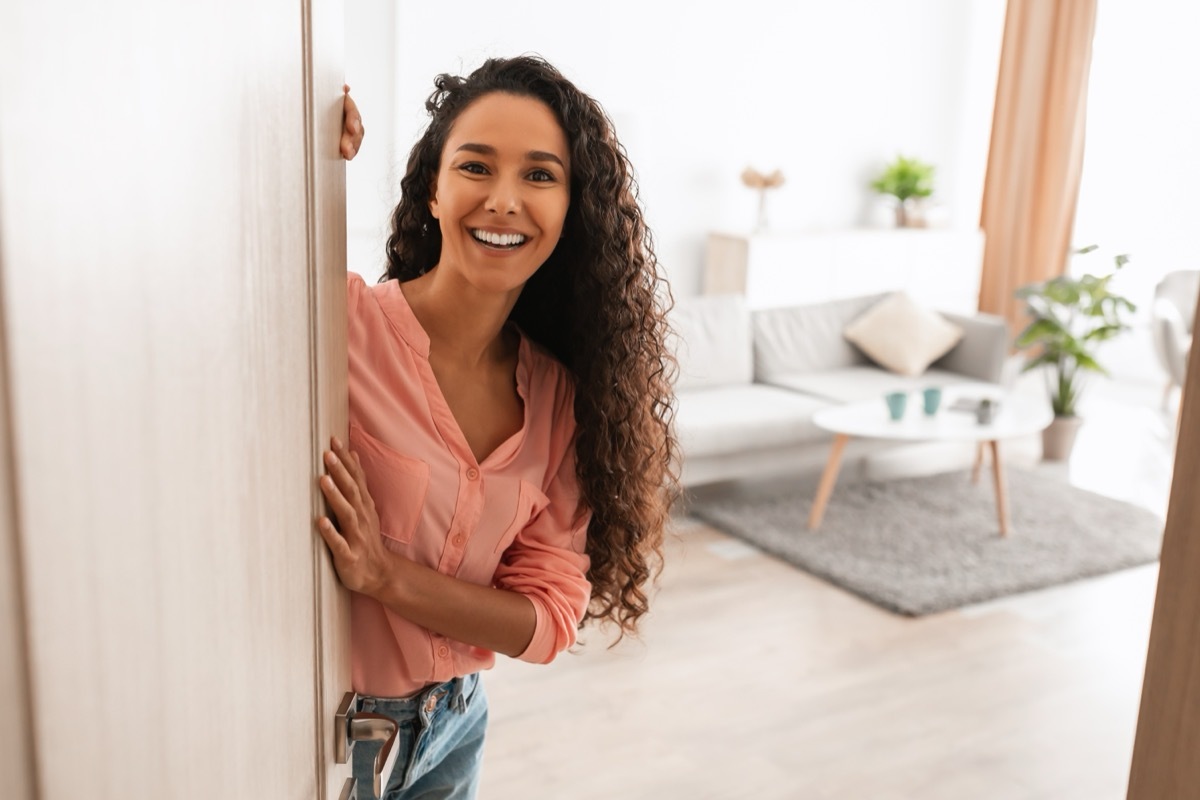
point(464, 325)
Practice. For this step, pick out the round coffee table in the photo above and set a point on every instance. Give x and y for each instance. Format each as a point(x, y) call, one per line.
point(1015, 416)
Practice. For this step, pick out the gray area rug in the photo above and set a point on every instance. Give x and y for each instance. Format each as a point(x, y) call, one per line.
point(922, 545)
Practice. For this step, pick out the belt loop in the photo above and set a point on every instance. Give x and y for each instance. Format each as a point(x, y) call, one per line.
point(458, 699)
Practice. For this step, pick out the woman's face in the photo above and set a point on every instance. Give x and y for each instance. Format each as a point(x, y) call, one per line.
point(502, 191)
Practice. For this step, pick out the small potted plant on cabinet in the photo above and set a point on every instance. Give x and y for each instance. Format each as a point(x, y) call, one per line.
point(908, 180)
point(1070, 318)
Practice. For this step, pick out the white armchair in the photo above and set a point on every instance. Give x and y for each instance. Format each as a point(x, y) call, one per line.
point(1173, 320)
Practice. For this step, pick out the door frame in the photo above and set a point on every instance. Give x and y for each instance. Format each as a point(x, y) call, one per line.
point(325, 189)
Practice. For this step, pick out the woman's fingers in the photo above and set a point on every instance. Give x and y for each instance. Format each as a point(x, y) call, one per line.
point(352, 114)
point(333, 540)
point(347, 484)
point(343, 509)
point(345, 488)
point(354, 468)
point(358, 553)
point(352, 126)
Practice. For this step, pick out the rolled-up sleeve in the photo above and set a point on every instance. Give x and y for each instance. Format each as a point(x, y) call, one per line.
point(547, 561)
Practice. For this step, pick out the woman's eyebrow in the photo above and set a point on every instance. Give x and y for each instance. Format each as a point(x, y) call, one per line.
point(488, 150)
point(542, 155)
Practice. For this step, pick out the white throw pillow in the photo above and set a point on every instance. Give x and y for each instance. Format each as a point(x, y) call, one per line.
point(901, 336)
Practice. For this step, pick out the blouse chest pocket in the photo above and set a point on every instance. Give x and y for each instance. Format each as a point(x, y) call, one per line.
point(530, 502)
point(398, 484)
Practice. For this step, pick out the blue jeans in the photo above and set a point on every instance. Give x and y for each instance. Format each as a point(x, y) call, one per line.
point(439, 743)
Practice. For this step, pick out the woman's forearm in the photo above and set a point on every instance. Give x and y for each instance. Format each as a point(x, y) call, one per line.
point(482, 616)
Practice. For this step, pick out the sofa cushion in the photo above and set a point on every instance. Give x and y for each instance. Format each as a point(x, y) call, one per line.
point(711, 340)
point(860, 384)
point(983, 350)
point(902, 336)
point(737, 419)
point(805, 338)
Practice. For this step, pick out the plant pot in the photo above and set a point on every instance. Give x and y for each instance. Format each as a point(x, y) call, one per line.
point(910, 213)
point(1059, 438)
point(985, 412)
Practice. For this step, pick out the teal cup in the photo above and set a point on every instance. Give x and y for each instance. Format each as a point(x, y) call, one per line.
point(896, 403)
point(933, 399)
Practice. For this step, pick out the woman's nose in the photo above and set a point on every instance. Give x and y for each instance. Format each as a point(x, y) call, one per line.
point(504, 198)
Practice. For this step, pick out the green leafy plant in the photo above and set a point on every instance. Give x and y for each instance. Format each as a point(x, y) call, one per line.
point(1070, 318)
point(905, 178)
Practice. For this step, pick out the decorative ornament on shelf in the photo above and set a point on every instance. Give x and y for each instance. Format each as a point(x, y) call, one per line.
point(1071, 317)
point(909, 180)
point(757, 180)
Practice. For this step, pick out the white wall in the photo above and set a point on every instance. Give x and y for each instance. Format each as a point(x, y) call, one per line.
point(826, 92)
point(371, 73)
point(1141, 170)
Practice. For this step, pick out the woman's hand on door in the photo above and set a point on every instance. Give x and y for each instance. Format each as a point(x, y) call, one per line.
point(352, 126)
point(363, 564)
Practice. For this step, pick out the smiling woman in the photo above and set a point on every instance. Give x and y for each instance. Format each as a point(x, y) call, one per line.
point(511, 463)
point(502, 191)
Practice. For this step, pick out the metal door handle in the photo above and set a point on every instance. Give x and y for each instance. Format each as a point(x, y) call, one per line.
point(353, 726)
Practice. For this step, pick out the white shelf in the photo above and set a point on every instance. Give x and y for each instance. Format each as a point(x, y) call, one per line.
point(939, 267)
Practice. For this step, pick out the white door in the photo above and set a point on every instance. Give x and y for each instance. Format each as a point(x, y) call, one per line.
point(172, 268)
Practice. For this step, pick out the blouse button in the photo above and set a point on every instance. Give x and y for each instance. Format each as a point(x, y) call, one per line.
point(458, 539)
point(472, 473)
point(443, 651)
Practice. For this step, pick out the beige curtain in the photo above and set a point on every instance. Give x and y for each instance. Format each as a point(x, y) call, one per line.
point(1036, 153)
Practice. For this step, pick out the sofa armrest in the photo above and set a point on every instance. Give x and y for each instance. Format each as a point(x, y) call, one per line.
point(711, 339)
point(982, 351)
point(1171, 339)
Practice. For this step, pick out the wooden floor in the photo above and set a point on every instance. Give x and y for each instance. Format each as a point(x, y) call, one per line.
point(755, 680)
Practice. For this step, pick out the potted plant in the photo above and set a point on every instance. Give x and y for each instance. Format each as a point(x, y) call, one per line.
point(985, 412)
point(1071, 317)
point(908, 180)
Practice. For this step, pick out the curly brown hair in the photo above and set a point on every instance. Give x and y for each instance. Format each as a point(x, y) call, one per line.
point(599, 305)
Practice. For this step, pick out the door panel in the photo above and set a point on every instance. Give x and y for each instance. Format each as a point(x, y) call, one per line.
point(155, 218)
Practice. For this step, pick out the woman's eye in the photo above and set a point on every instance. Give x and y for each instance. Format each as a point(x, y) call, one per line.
point(541, 175)
point(474, 168)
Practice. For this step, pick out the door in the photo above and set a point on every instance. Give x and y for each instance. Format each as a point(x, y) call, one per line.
point(172, 276)
point(1164, 764)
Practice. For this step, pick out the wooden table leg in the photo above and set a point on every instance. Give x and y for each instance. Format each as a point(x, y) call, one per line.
point(828, 479)
point(1001, 490)
point(979, 448)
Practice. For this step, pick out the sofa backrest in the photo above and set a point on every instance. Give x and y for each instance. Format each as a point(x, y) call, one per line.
point(807, 338)
point(711, 340)
point(1181, 288)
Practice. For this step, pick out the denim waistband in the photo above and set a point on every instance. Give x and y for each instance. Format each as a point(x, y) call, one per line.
point(453, 694)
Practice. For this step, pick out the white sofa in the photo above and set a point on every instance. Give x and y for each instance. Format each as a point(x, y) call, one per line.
point(750, 381)
point(1173, 321)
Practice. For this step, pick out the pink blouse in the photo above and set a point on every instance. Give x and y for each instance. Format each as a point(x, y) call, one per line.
point(516, 521)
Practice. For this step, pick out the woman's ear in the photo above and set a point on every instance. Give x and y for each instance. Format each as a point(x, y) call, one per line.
point(433, 201)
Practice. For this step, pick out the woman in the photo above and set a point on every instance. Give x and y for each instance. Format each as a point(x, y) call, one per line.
point(511, 466)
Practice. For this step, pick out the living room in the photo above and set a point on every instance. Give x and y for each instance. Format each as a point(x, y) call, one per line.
point(754, 678)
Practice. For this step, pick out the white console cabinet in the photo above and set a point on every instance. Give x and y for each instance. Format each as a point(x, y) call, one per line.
point(939, 268)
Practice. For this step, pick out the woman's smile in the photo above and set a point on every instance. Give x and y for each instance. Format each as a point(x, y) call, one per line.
point(504, 241)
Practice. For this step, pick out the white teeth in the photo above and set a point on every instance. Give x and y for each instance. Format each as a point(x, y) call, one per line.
point(499, 239)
